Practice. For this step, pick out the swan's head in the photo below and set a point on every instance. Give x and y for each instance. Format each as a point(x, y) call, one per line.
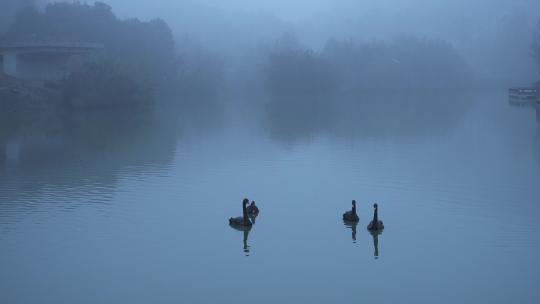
point(245, 202)
point(354, 203)
point(375, 205)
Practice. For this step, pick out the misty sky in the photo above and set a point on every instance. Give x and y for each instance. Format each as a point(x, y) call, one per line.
point(475, 27)
point(299, 9)
point(490, 33)
point(315, 20)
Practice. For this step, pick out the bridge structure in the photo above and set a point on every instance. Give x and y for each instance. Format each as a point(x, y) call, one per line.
point(41, 60)
point(538, 101)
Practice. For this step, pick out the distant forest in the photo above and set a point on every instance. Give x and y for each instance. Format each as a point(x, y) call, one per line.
point(8, 11)
point(405, 64)
point(537, 47)
point(141, 57)
point(138, 57)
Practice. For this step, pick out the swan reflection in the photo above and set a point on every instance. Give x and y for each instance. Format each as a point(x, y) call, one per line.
point(352, 226)
point(375, 234)
point(246, 246)
point(246, 231)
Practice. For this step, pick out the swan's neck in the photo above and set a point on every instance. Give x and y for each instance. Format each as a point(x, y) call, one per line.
point(353, 209)
point(375, 216)
point(244, 213)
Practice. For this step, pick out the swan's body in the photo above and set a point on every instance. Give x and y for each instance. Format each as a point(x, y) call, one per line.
point(252, 209)
point(379, 226)
point(375, 224)
point(241, 221)
point(351, 216)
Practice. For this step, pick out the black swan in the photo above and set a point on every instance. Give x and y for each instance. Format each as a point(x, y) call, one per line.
point(242, 221)
point(253, 218)
point(375, 224)
point(252, 209)
point(351, 216)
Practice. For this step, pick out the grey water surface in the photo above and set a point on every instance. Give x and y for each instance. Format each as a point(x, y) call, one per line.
point(136, 210)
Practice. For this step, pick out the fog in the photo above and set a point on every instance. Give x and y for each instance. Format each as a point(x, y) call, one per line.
point(496, 37)
point(131, 131)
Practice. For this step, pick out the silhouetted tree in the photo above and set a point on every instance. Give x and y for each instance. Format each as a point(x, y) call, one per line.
point(301, 72)
point(149, 45)
point(407, 63)
point(96, 85)
point(294, 70)
point(137, 55)
point(537, 47)
point(9, 10)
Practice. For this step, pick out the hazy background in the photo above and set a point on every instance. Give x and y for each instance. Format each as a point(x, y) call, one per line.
point(494, 36)
point(117, 180)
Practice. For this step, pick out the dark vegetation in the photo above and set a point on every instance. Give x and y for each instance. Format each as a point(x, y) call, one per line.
point(404, 65)
point(136, 53)
point(303, 72)
point(537, 47)
point(301, 84)
point(106, 85)
point(8, 11)
point(127, 42)
point(310, 89)
point(16, 94)
point(138, 57)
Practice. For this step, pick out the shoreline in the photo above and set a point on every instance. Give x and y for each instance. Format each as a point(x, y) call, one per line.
point(22, 95)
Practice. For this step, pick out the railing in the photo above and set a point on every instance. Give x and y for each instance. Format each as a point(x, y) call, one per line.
point(522, 96)
point(50, 45)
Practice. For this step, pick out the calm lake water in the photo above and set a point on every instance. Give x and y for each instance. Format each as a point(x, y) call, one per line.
point(135, 210)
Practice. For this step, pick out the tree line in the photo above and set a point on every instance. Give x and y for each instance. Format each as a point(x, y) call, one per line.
point(345, 66)
point(138, 57)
